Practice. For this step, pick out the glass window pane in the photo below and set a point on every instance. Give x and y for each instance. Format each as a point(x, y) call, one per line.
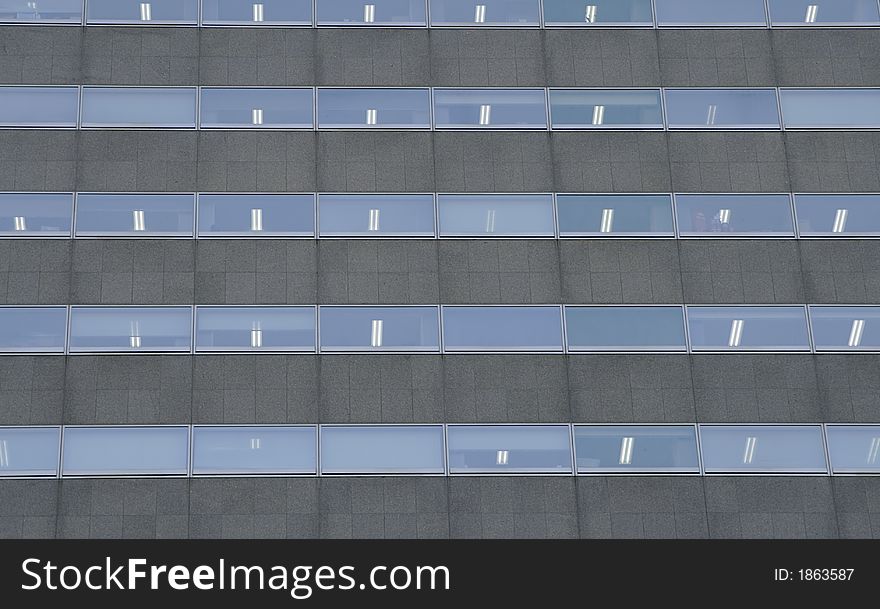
point(793, 449)
point(255, 328)
point(135, 329)
point(44, 11)
point(533, 328)
point(38, 106)
point(748, 328)
point(490, 109)
point(374, 109)
point(256, 109)
point(484, 13)
point(831, 108)
point(374, 13)
point(29, 451)
point(846, 328)
point(598, 12)
point(144, 13)
point(710, 12)
point(734, 215)
point(722, 108)
point(514, 449)
point(254, 450)
point(625, 328)
point(614, 215)
point(379, 329)
point(256, 215)
point(608, 109)
point(125, 451)
point(257, 12)
point(409, 215)
point(824, 12)
point(838, 215)
point(397, 449)
point(112, 215)
point(39, 214)
point(854, 449)
point(632, 449)
point(32, 329)
point(496, 215)
point(139, 107)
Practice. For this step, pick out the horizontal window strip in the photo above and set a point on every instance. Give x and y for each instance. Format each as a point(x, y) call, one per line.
point(448, 13)
point(449, 329)
point(75, 451)
point(84, 215)
point(438, 108)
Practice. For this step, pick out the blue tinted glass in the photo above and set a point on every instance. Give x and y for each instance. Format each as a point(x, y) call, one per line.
point(255, 328)
point(490, 109)
point(256, 108)
point(35, 214)
point(379, 329)
point(831, 108)
point(532, 328)
point(614, 215)
point(376, 215)
point(625, 328)
point(734, 215)
point(373, 13)
point(125, 451)
point(255, 450)
point(29, 451)
point(824, 12)
point(485, 12)
point(710, 12)
point(143, 13)
point(167, 107)
point(261, 12)
point(722, 109)
point(38, 106)
point(598, 12)
point(397, 449)
point(845, 328)
point(838, 215)
point(748, 328)
point(32, 329)
point(498, 449)
point(605, 109)
point(762, 449)
point(631, 448)
point(42, 11)
point(496, 215)
point(854, 449)
point(374, 109)
point(256, 215)
point(134, 329)
point(109, 215)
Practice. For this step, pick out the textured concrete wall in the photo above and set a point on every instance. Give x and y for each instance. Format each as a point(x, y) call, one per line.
point(99, 389)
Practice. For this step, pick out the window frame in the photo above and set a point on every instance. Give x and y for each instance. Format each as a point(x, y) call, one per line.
point(97, 474)
point(390, 235)
point(683, 349)
point(817, 24)
point(765, 472)
point(364, 350)
point(137, 127)
point(581, 235)
point(393, 128)
point(483, 349)
point(241, 426)
point(44, 127)
point(444, 469)
point(267, 235)
point(42, 352)
point(831, 235)
point(780, 125)
point(717, 25)
point(146, 235)
point(641, 25)
point(490, 127)
point(29, 235)
point(162, 351)
point(57, 474)
point(53, 22)
point(663, 126)
point(197, 350)
point(847, 471)
point(749, 235)
point(240, 127)
point(132, 23)
point(825, 127)
point(260, 24)
point(517, 473)
point(720, 350)
point(620, 471)
point(494, 236)
point(820, 349)
point(489, 25)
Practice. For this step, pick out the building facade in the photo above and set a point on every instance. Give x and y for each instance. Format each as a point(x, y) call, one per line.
point(762, 271)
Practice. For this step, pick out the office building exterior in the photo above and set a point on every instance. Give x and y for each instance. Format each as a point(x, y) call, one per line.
point(452, 269)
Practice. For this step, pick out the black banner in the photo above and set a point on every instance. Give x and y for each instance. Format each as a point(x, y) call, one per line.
point(401, 573)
